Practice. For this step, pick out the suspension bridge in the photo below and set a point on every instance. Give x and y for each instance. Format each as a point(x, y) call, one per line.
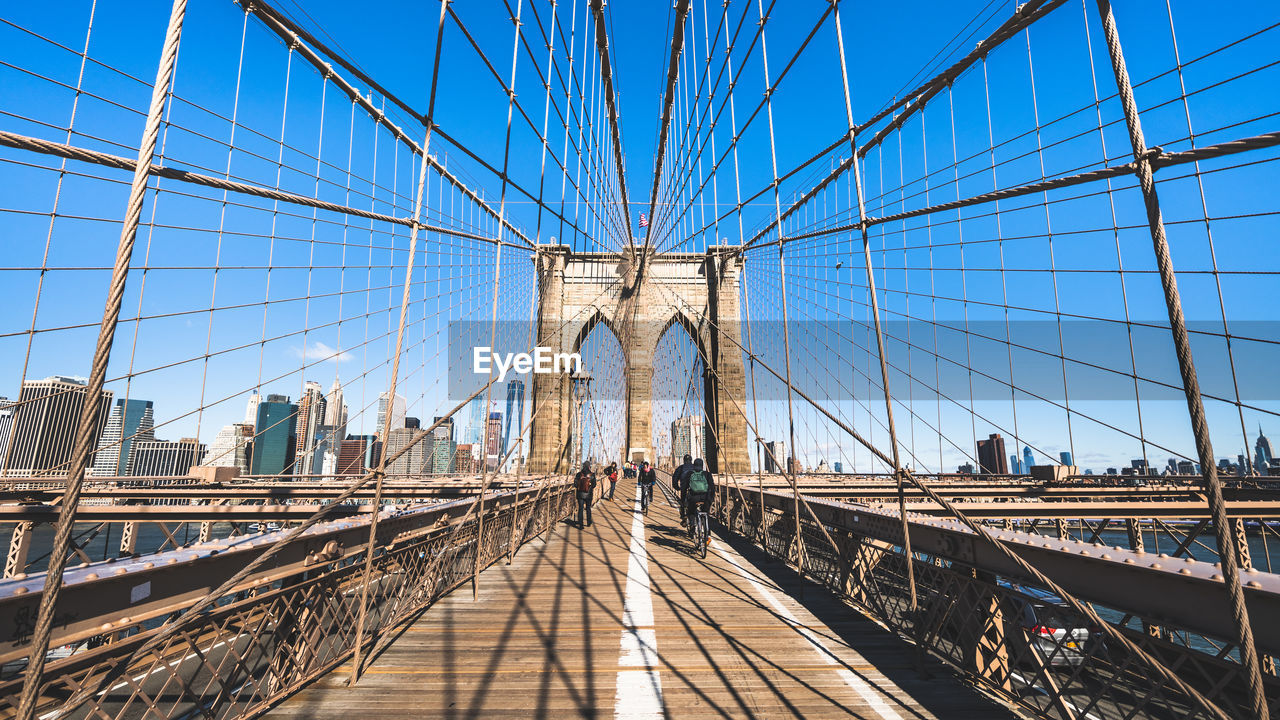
point(981, 360)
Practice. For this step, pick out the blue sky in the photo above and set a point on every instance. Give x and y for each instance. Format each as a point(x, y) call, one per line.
point(334, 285)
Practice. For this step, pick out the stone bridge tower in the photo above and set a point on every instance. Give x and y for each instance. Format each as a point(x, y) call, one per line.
point(638, 300)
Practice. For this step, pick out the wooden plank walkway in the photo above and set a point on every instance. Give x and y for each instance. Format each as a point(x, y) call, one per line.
point(575, 627)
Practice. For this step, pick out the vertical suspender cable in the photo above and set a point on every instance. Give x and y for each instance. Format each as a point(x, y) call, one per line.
point(1142, 156)
point(92, 406)
point(497, 278)
point(875, 312)
point(381, 472)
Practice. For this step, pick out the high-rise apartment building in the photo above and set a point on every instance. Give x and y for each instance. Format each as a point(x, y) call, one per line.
point(130, 421)
point(165, 458)
point(991, 456)
point(276, 436)
point(232, 447)
point(45, 422)
point(311, 412)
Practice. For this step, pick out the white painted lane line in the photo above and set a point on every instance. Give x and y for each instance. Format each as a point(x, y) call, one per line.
point(870, 695)
point(639, 694)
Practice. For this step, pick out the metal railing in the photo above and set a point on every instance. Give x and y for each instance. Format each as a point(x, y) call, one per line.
point(282, 626)
point(1013, 638)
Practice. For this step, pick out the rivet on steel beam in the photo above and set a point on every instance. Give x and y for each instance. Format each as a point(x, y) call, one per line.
point(1155, 566)
point(91, 576)
point(20, 590)
point(1253, 584)
point(121, 571)
point(20, 576)
point(1184, 571)
point(1215, 576)
point(1128, 561)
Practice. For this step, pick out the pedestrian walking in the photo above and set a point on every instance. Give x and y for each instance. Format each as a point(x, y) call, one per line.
point(585, 484)
point(612, 473)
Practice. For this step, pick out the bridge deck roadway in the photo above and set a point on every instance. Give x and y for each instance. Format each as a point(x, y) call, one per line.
point(576, 627)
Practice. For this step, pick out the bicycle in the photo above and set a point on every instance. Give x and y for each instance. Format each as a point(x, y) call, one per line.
point(646, 497)
point(701, 530)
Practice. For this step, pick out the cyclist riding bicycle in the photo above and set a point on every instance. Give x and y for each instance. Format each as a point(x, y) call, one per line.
point(678, 476)
point(698, 489)
point(645, 482)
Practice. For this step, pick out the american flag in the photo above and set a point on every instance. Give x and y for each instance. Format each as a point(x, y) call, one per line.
point(644, 221)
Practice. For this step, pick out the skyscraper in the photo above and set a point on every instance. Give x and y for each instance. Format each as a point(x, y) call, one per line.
point(165, 458)
point(991, 456)
point(464, 461)
point(231, 447)
point(131, 420)
point(1028, 458)
point(397, 412)
point(45, 422)
point(1015, 465)
point(311, 412)
point(335, 410)
point(515, 413)
point(414, 460)
point(276, 428)
point(443, 447)
point(688, 436)
point(251, 409)
point(1262, 455)
point(6, 425)
point(1065, 457)
point(356, 457)
point(477, 416)
point(493, 441)
point(774, 459)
